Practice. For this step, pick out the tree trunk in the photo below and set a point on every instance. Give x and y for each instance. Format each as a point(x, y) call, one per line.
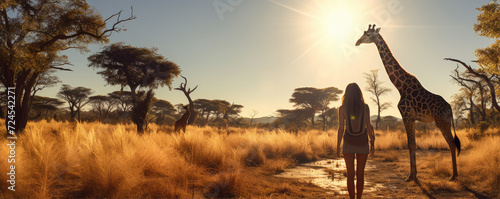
point(22, 100)
point(378, 121)
point(140, 111)
point(2, 114)
point(194, 113)
point(78, 112)
point(324, 120)
point(72, 114)
point(471, 112)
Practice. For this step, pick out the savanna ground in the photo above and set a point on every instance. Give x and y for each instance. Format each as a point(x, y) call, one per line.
point(94, 160)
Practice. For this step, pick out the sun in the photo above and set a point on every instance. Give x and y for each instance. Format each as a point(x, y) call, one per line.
point(326, 28)
point(338, 24)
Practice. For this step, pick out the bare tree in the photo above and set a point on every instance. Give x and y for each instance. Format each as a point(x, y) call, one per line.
point(252, 115)
point(377, 90)
point(187, 93)
point(483, 76)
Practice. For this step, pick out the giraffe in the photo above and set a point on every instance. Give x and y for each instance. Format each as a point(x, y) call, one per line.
point(181, 123)
point(416, 102)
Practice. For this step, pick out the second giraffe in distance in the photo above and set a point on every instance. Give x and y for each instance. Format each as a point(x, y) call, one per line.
point(416, 102)
point(181, 123)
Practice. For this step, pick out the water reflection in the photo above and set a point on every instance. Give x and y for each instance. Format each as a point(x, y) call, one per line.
point(328, 174)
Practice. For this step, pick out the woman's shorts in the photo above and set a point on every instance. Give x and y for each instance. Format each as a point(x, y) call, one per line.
point(361, 149)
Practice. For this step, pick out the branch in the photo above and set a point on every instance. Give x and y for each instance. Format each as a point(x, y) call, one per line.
point(94, 35)
point(59, 68)
point(182, 87)
point(485, 78)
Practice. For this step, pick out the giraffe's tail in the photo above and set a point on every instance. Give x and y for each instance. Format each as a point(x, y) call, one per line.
point(456, 140)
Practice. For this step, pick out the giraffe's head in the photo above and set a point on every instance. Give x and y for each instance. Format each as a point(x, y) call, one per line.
point(370, 35)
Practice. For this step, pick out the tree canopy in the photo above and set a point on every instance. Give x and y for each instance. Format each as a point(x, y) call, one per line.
point(314, 99)
point(76, 98)
point(135, 67)
point(33, 33)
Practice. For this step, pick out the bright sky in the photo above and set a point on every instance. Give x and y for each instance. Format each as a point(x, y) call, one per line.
point(256, 52)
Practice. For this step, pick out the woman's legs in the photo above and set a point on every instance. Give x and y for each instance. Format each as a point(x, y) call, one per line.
point(360, 173)
point(349, 163)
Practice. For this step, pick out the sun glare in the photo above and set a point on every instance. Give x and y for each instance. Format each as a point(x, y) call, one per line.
point(328, 28)
point(338, 24)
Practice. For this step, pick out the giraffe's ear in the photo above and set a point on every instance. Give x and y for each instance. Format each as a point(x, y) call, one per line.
point(377, 30)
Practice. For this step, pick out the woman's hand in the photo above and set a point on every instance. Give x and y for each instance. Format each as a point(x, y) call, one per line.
point(372, 149)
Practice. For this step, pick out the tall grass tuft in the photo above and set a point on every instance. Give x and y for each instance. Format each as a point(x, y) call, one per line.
point(479, 166)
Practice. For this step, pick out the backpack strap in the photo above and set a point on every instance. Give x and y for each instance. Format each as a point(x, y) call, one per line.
point(361, 129)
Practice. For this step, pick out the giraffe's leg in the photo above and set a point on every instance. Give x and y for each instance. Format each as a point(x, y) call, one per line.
point(412, 146)
point(445, 127)
point(409, 121)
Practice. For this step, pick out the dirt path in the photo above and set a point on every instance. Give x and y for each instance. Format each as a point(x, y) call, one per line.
point(384, 177)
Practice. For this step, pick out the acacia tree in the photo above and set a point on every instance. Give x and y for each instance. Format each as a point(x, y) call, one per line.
point(292, 120)
point(314, 100)
point(124, 103)
point(44, 80)
point(42, 106)
point(76, 98)
point(204, 107)
point(33, 33)
point(233, 110)
point(102, 105)
point(163, 111)
point(137, 68)
point(377, 90)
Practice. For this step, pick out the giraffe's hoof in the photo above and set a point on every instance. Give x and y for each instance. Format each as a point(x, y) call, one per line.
point(453, 178)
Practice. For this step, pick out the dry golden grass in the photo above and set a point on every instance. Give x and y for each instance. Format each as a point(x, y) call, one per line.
point(60, 160)
point(432, 140)
point(388, 156)
point(480, 166)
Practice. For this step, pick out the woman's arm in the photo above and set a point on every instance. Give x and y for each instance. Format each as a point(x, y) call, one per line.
point(369, 129)
point(340, 134)
point(368, 124)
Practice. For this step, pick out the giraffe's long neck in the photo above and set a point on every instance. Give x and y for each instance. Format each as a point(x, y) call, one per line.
point(397, 74)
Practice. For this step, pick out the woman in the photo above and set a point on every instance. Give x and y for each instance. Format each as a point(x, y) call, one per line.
point(356, 116)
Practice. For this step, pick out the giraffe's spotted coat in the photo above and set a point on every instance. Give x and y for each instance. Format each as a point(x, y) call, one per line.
point(416, 102)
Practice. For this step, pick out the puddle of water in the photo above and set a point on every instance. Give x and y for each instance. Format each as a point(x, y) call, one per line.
point(328, 174)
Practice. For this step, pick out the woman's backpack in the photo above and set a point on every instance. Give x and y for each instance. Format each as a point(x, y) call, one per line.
point(359, 138)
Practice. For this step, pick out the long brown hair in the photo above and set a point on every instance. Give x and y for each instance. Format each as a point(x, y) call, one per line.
point(353, 101)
